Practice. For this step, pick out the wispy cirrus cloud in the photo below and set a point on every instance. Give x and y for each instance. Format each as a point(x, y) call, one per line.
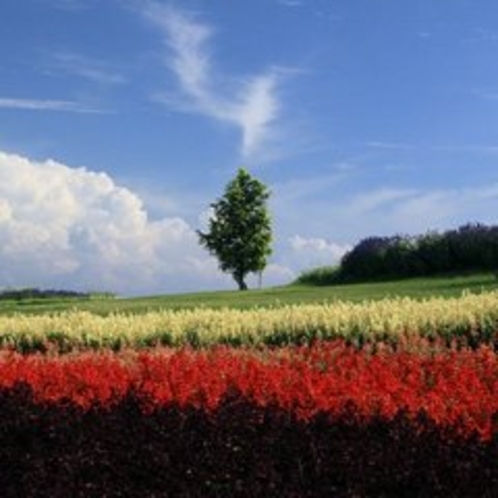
point(306, 188)
point(252, 106)
point(380, 144)
point(68, 5)
point(291, 3)
point(91, 69)
point(47, 105)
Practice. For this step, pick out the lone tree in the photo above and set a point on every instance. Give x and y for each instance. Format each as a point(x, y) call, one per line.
point(239, 233)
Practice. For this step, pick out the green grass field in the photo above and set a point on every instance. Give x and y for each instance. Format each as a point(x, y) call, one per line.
point(418, 288)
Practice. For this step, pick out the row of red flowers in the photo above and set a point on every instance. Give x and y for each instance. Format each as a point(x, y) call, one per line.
point(454, 388)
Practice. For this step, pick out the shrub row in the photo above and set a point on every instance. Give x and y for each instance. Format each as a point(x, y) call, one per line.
point(472, 247)
point(34, 293)
point(469, 248)
point(239, 450)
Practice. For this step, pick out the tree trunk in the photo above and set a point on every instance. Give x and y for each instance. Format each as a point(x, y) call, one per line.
point(240, 282)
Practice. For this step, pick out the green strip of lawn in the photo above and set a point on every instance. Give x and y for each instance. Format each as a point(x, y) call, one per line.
point(418, 288)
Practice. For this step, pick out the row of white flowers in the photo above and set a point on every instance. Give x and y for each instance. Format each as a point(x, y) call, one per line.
point(389, 318)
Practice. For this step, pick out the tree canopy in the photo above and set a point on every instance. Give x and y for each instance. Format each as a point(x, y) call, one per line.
point(239, 231)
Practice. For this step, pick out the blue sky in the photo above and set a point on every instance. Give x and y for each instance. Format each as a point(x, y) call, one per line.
point(121, 120)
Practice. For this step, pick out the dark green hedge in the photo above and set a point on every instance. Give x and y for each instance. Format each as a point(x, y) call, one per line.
point(470, 248)
point(34, 293)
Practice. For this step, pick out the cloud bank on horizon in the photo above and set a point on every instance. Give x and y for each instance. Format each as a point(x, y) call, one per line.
point(63, 227)
point(60, 225)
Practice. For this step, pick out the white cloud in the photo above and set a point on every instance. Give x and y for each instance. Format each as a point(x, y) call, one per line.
point(381, 199)
point(253, 107)
point(302, 188)
point(388, 211)
point(45, 105)
point(379, 144)
point(315, 251)
point(443, 209)
point(74, 228)
point(291, 3)
point(346, 218)
point(84, 67)
point(277, 274)
point(63, 227)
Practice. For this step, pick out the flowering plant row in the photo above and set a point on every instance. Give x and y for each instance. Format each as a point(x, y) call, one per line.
point(455, 389)
point(240, 449)
point(471, 319)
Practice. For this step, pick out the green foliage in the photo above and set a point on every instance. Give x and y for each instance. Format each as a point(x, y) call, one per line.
point(30, 294)
point(322, 275)
point(239, 233)
point(470, 248)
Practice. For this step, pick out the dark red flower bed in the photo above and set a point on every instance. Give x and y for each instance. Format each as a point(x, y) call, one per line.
point(454, 388)
point(239, 449)
point(326, 420)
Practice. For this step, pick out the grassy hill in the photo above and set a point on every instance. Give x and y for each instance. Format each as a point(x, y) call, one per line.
point(418, 288)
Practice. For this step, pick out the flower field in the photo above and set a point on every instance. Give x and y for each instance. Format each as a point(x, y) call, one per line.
point(393, 398)
point(471, 319)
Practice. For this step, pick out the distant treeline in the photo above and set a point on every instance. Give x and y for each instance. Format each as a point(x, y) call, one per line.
point(33, 293)
point(471, 247)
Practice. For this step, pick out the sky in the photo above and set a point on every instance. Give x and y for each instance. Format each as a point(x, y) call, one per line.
point(122, 120)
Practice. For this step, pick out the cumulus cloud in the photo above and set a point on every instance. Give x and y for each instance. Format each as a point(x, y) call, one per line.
point(316, 251)
point(75, 228)
point(65, 227)
point(253, 107)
